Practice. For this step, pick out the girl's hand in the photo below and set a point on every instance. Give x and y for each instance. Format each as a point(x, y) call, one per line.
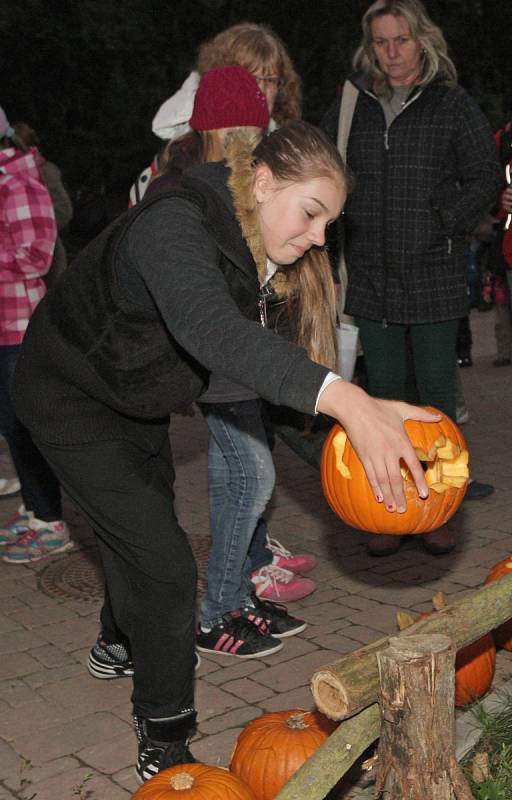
point(376, 430)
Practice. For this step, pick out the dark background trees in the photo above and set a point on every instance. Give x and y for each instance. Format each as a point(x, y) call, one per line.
point(90, 74)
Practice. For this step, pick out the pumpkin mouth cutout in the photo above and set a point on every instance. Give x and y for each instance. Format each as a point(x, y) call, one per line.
point(445, 465)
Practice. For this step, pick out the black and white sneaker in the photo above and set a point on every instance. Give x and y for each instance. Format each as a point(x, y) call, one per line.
point(237, 636)
point(163, 743)
point(107, 661)
point(274, 617)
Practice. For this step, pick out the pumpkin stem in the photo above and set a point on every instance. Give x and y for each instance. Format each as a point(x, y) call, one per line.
point(183, 780)
point(297, 721)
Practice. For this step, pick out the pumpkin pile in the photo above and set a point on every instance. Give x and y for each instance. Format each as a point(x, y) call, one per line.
point(474, 664)
point(194, 782)
point(443, 451)
point(268, 752)
point(274, 746)
point(503, 633)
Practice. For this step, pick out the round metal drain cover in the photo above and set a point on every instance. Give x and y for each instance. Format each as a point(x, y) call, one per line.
point(79, 576)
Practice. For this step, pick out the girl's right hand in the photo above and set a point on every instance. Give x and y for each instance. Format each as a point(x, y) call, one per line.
point(376, 430)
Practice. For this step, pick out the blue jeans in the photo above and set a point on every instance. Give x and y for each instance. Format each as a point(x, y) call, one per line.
point(241, 479)
point(39, 487)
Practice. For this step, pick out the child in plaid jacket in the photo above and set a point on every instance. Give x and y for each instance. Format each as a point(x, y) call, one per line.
point(27, 240)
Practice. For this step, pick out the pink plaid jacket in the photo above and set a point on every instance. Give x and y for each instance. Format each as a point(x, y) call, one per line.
point(27, 239)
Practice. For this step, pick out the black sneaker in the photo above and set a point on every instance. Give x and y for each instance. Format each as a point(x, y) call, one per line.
point(108, 661)
point(274, 617)
point(163, 743)
point(237, 636)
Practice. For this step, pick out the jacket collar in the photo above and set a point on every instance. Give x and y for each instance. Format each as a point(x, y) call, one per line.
point(220, 220)
point(361, 81)
point(231, 213)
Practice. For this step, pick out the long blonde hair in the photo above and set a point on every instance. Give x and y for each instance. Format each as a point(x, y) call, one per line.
point(435, 56)
point(256, 47)
point(299, 152)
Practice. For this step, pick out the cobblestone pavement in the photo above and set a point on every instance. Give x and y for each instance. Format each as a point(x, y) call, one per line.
point(64, 734)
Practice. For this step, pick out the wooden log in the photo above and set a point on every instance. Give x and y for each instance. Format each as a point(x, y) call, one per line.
point(416, 755)
point(350, 684)
point(334, 758)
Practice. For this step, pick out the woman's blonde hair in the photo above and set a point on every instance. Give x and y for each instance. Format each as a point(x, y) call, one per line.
point(300, 152)
point(256, 47)
point(435, 58)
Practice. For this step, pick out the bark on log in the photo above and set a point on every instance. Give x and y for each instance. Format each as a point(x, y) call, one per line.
point(334, 758)
point(350, 684)
point(416, 755)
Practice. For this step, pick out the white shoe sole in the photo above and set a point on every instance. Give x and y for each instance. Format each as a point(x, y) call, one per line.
point(285, 635)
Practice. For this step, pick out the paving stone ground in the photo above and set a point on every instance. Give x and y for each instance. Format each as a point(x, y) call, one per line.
point(64, 734)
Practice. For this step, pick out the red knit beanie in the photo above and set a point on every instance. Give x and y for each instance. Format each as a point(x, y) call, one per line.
point(228, 97)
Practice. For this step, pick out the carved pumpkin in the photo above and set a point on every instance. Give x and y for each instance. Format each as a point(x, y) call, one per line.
point(503, 633)
point(442, 449)
point(274, 746)
point(194, 782)
point(474, 664)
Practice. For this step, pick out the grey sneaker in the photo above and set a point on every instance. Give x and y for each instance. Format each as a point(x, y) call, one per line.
point(107, 661)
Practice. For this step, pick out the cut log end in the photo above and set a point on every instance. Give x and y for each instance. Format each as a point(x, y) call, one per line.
point(329, 694)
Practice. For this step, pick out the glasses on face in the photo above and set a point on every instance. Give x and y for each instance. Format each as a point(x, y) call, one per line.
point(268, 81)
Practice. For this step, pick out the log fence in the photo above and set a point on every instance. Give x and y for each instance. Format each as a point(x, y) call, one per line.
point(348, 690)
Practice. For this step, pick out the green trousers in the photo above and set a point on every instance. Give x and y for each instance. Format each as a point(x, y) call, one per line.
point(400, 356)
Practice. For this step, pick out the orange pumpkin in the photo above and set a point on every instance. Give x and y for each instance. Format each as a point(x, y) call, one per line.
point(503, 633)
point(440, 445)
point(194, 782)
point(474, 664)
point(274, 746)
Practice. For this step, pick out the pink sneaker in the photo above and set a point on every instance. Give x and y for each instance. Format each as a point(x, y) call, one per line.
point(302, 562)
point(276, 583)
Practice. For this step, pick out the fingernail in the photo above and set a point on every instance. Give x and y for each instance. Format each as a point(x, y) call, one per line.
point(390, 507)
point(379, 498)
point(401, 509)
point(424, 494)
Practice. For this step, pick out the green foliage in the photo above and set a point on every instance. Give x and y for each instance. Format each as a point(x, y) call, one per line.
point(496, 741)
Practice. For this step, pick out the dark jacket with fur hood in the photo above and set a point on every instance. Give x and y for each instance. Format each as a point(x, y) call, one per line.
point(420, 188)
point(166, 294)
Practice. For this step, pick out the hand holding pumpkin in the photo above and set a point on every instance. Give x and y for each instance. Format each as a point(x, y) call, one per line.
point(376, 430)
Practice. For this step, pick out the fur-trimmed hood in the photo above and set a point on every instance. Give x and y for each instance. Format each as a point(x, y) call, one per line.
point(232, 181)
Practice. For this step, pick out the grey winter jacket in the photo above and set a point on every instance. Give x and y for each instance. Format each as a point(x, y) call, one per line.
point(421, 187)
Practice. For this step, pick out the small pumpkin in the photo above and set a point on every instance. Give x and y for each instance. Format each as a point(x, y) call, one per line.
point(442, 449)
point(474, 664)
point(274, 746)
point(503, 633)
point(194, 782)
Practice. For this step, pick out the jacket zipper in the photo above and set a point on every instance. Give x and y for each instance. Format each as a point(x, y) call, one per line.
point(384, 321)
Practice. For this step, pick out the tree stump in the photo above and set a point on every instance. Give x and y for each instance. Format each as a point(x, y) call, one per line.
point(416, 754)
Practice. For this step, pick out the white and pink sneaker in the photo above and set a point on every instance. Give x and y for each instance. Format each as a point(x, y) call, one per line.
point(281, 585)
point(302, 562)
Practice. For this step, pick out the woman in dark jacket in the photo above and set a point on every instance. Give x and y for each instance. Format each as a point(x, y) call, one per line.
point(426, 170)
